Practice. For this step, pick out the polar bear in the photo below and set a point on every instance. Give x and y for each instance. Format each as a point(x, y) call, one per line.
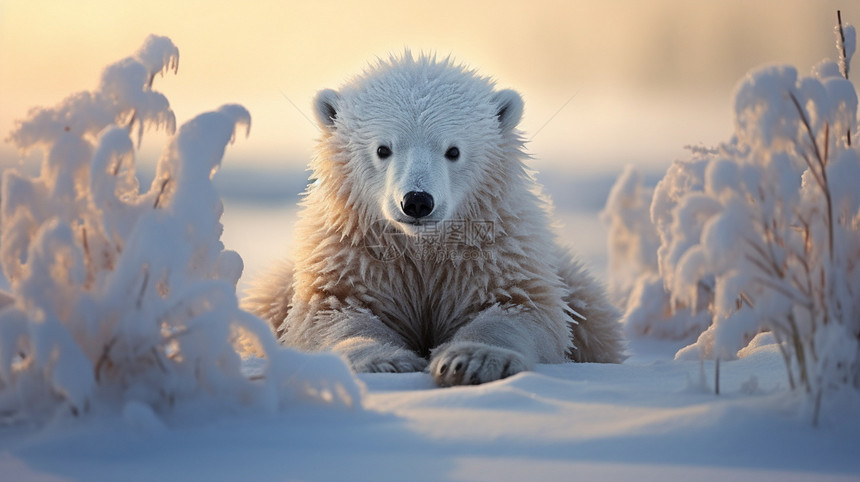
point(424, 242)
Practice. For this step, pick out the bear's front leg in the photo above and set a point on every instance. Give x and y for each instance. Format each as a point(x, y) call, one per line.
point(361, 337)
point(368, 355)
point(498, 343)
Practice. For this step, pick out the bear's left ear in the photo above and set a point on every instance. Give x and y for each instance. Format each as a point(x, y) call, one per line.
point(325, 107)
point(509, 108)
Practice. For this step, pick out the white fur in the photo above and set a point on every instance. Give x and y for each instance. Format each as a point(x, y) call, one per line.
point(475, 309)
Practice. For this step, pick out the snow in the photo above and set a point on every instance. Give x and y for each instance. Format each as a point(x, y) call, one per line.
point(250, 410)
point(643, 420)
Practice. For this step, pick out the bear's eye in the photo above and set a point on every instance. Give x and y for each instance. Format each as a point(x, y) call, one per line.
point(452, 154)
point(384, 152)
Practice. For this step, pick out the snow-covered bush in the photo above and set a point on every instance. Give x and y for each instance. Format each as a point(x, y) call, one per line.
point(763, 233)
point(122, 298)
point(633, 239)
point(639, 254)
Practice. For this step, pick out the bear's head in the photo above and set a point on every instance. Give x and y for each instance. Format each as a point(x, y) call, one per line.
point(416, 141)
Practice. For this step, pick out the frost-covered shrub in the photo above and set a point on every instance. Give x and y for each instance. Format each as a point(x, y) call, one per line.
point(123, 298)
point(633, 239)
point(763, 233)
point(642, 250)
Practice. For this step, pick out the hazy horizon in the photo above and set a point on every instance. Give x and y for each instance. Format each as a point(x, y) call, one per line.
point(643, 79)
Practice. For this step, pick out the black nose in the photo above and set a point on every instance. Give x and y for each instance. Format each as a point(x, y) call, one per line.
point(417, 204)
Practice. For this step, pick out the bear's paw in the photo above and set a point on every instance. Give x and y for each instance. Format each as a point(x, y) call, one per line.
point(389, 361)
point(470, 363)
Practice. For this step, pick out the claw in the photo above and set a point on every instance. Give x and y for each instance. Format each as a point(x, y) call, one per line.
point(475, 363)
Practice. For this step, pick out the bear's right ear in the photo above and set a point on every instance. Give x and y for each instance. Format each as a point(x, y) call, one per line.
point(509, 108)
point(325, 107)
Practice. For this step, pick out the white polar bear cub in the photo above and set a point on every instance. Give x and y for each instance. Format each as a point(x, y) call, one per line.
point(424, 244)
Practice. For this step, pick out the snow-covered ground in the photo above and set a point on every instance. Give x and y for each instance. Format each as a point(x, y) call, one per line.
point(651, 418)
point(648, 419)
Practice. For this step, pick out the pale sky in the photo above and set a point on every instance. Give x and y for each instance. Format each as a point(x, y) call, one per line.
point(646, 77)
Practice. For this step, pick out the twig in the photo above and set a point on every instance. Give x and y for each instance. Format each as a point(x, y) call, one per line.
point(812, 170)
point(822, 162)
point(760, 265)
point(104, 358)
point(116, 166)
point(785, 355)
point(160, 193)
point(844, 64)
point(143, 286)
point(717, 376)
point(746, 299)
point(807, 236)
point(131, 120)
point(86, 245)
point(827, 197)
point(799, 352)
point(788, 291)
point(806, 124)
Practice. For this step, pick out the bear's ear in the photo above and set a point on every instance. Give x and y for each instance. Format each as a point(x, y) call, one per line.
point(325, 107)
point(509, 109)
